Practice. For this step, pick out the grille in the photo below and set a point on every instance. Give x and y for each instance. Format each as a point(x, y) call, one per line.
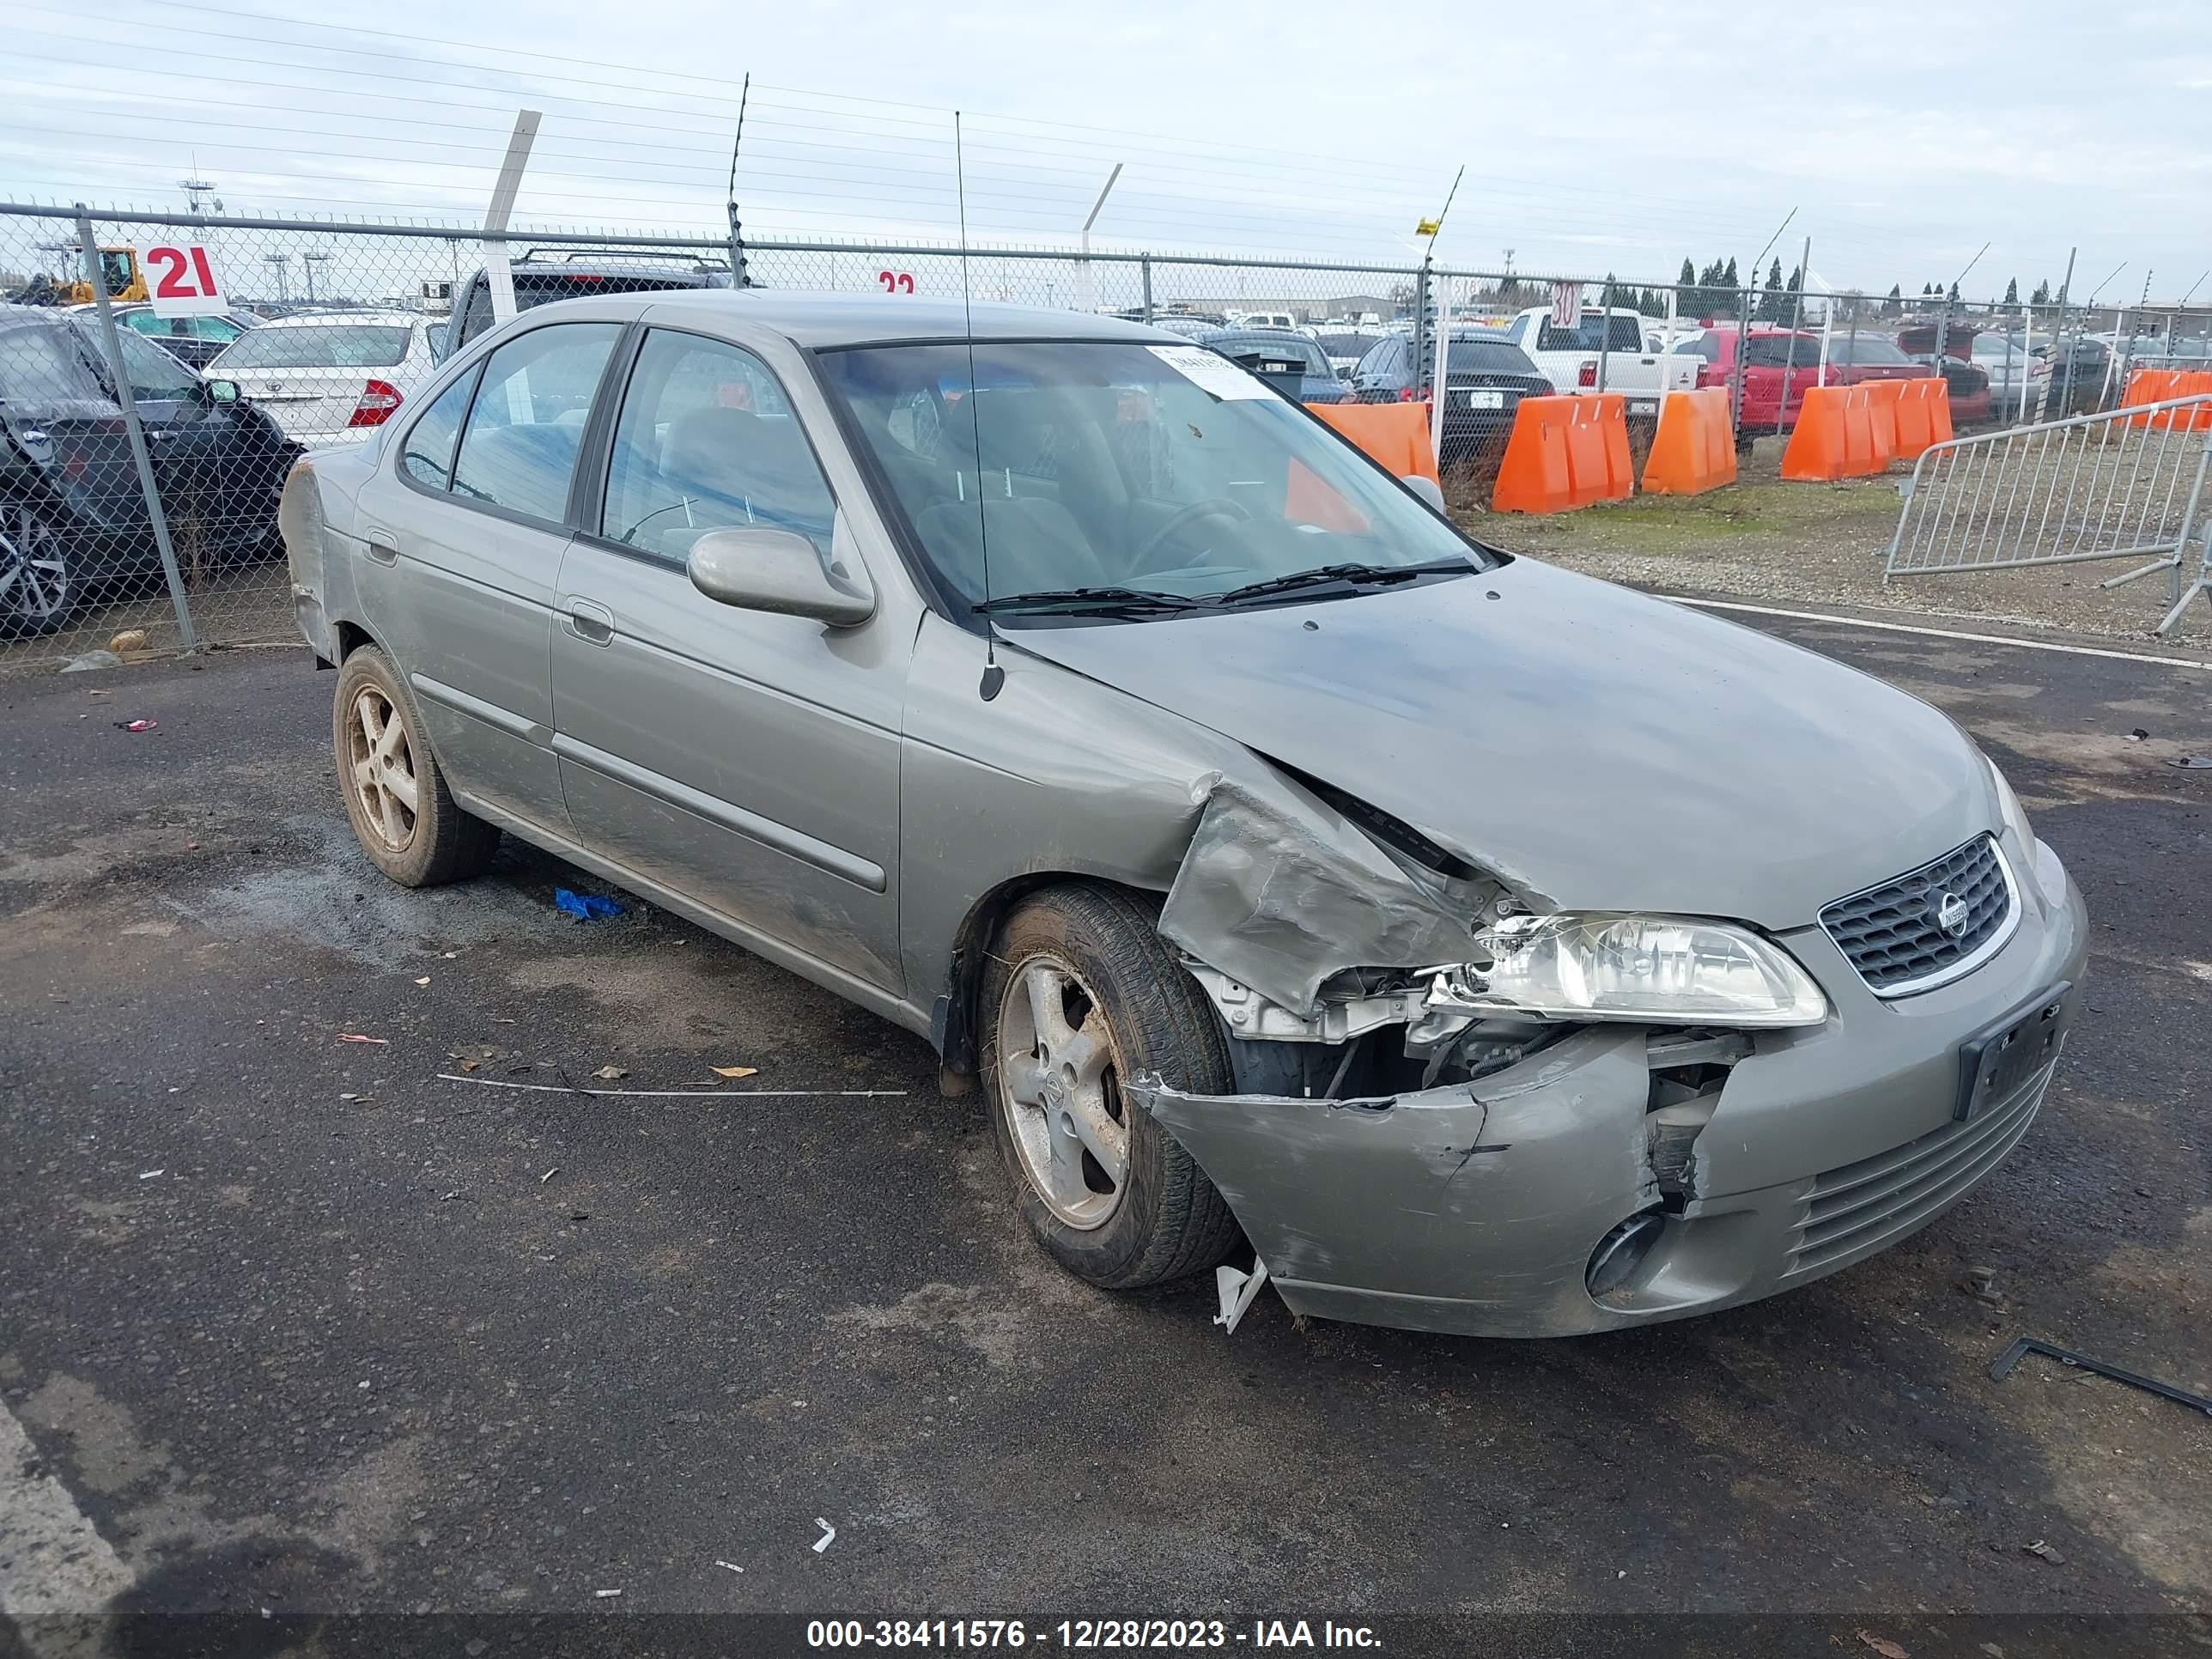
point(1862, 1206)
point(1891, 933)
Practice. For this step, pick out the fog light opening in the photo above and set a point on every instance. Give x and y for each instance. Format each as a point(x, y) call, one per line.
point(1621, 1252)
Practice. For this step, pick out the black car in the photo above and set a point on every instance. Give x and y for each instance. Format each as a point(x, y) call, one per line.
point(72, 512)
point(1286, 359)
point(541, 276)
point(1486, 378)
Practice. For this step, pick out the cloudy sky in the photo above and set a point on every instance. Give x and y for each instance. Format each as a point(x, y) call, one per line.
point(1599, 137)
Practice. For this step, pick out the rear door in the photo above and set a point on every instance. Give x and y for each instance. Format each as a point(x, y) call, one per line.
point(465, 520)
point(749, 762)
point(66, 434)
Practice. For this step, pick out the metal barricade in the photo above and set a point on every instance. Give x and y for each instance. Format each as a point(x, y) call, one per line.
point(2129, 484)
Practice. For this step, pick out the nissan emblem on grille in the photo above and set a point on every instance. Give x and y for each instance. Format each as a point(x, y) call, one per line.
point(1930, 925)
point(1952, 915)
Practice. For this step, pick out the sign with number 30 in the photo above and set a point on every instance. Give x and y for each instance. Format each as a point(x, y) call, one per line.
point(180, 280)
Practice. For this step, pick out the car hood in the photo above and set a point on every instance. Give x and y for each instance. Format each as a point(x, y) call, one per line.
point(1592, 747)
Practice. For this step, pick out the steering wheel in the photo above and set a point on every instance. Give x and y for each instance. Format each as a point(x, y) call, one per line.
point(1181, 519)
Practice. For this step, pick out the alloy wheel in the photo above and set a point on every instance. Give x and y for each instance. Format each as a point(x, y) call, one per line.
point(383, 765)
point(1060, 1088)
point(35, 589)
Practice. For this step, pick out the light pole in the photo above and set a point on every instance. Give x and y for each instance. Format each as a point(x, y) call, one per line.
point(1090, 271)
point(280, 262)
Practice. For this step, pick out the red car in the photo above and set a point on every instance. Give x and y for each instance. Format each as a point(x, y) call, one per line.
point(1770, 356)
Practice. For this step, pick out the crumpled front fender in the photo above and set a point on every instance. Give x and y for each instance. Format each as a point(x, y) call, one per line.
point(1472, 1208)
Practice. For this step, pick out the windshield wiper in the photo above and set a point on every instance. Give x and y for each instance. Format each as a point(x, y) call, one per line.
point(1350, 576)
point(1127, 601)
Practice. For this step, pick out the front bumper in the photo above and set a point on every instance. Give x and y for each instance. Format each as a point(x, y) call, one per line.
point(1475, 1208)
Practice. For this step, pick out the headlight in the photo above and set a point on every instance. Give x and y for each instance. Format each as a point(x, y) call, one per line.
point(2013, 815)
point(1673, 968)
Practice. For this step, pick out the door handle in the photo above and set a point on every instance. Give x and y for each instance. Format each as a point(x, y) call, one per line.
point(382, 548)
point(592, 623)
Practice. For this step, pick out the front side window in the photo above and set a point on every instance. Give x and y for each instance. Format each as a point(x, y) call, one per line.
point(706, 440)
point(426, 456)
point(519, 448)
point(1169, 471)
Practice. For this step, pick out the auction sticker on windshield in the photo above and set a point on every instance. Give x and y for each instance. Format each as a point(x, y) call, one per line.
point(1211, 373)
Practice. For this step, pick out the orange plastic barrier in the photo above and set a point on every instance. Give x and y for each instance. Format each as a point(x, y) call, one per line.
point(2155, 385)
point(1565, 452)
point(1935, 393)
point(1914, 421)
point(1694, 448)
point(1884, 397)
point(1396, 436)
point(1834, 437)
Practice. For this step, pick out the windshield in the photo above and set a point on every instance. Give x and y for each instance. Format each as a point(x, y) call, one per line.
point(1160, 469)
point(318, 345)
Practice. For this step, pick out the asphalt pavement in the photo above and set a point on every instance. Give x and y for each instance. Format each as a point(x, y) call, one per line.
point(332, 1328)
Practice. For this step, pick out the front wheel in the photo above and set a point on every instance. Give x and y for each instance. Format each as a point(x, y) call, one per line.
point(1078, 994)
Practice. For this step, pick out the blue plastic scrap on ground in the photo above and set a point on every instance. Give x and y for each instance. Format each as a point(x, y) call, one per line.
point(585, 906)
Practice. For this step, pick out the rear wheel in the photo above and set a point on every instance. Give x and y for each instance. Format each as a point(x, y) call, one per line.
point(396, 797)
point(37, 582)
point(1078, 995)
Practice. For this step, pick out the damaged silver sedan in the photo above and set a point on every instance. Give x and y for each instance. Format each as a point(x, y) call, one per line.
point(1489, 949)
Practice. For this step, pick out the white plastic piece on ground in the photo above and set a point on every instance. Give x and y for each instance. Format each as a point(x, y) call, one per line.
point(1236, 1290)
point(829, 1532)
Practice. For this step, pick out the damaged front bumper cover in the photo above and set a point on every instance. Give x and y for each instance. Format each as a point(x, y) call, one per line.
point(1480, 1207)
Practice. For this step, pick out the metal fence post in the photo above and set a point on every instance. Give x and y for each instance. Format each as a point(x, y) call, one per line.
point(1796, 314)
point(1421, 323)
point(1604, 331)
point(139, 455)
point(2058, 343)
point(1144, 270)
point(1742, 350)
point(738, 278)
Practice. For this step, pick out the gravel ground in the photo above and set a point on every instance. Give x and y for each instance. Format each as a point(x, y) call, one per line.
point(1822, 545)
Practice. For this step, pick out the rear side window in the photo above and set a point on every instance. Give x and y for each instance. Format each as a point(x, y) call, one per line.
point(1706, 346)
point(706, 442)
point(428, 457)
point(519, 448)
point(37, 366)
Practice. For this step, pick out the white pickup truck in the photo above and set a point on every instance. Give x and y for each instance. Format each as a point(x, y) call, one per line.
point(1568, 357)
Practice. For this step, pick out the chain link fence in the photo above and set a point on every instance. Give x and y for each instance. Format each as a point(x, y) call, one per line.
point(139, 497)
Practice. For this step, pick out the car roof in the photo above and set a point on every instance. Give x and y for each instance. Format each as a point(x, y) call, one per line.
point(330, 318)
point(843, 320)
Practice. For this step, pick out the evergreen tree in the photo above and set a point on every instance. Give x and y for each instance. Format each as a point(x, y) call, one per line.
point(2042, 294)
point(2012, 291)
point(1770, 309)
point(1896, 305)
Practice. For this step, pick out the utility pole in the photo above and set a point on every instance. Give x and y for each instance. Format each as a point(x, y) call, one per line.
point(1090, 271)
point(310, 259)
point(279, 263)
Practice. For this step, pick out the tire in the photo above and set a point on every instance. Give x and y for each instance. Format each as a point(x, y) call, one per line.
point(422, 846)
point(39, 587)
point(1126, 1007)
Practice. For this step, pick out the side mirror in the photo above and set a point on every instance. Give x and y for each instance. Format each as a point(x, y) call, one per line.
point(222, 392)
point(755, 568)
point(1431, 492)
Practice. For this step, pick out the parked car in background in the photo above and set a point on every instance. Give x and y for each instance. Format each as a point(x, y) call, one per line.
point(72, 511)
point(541, 275)
point(1774, 359)
point(195, 340)
point(1487, 948)
point(1568, 357)
point(1855, 357)
point(1262, 319)
point(1343, 348)
point(1486, 378)
point(331, 377)
point(1287, 360)
point(2014, 366)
